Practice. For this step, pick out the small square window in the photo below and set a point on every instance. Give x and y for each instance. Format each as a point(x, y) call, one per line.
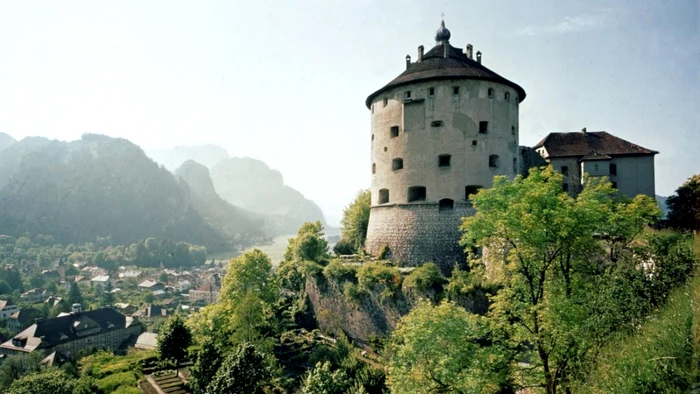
point(512, 130)
point(431, 92)
point(444, 160)
point(386, 101)
point(407, 94)
point(394, 131)
point(473, 142)
point(483, 127)
point(613, 169)
point(565, 170)
point(490, 91)
point(436, 123)
point(614, 185)
point(455, 90)
point(565, 186)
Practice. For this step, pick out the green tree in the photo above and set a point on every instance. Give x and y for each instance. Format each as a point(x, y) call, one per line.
point(5, 288)
point(14, 279)
point(52, 381)
point(684, 205)
point(52, 287)
point(356, 219)
point(74, 295)
point(445, 349)
point(107, 298)
point(71, 270)
point(204, 369)
point(173, 340)
point(309, 245)
point(163, 278)
point(321, 380)
point(543, 249)
point(37, 280)
point(16, 367)
point(243, 372)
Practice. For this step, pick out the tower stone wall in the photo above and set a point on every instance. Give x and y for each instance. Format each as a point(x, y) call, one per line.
point(436, 138)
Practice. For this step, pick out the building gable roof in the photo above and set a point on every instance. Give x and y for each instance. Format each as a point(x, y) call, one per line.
point(583, 143)
point(435, 65)
point(50, 332)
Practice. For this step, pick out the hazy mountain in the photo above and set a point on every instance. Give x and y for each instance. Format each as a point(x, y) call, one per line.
point(248, 184)
point(208, 155)
point(252, 185)
point(96, 187)
point(236, 223)
point(5, 141)
point(661, 200)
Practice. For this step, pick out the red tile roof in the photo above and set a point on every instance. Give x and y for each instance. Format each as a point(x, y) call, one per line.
point(583, 143)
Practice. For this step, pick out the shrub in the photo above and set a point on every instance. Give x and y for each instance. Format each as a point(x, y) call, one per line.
point(310, 268)
point(384, 252)
point(343, 247)
point(426, 277)
point(372, 275)
point(110, 383)
point(353, 293)
point(337, 270)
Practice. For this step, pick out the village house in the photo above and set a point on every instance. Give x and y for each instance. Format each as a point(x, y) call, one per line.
point(150, 313)
point(205, 294)
point(7, 309)
point(183, 285)
point(32, 296)
point(103, 328)
point(22, 319)
point(151, 285)
point(101, 280)
point(629, 167)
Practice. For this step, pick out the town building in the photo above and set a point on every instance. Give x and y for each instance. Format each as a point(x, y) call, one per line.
point(22, 319)
point(150, 313)
point(7, 309)
point(101, 280)
point(629, 167)
point(32, 296)
point(68, 334)
point(205, 294)
point(440, 131)
point(151, 285)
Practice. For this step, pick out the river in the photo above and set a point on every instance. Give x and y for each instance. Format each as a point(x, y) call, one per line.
point(274, 250)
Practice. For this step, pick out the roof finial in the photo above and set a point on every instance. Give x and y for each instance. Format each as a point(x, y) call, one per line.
point(442, 36)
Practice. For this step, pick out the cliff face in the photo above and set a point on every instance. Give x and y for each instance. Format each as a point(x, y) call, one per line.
point(359, 320)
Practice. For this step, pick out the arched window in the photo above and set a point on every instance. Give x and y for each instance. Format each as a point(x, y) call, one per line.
point(471, 189)
point(374, 168)
point(446, 204)
point(444, 160)
point(506, 96)
point(383, 196)
point(417, 193)
point(490, 92)
point(397, 164)
point(493, 161)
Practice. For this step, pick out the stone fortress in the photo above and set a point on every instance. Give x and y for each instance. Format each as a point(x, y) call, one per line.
point(441, 131)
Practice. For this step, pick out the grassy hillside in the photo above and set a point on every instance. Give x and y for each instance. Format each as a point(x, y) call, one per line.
point(662, 356)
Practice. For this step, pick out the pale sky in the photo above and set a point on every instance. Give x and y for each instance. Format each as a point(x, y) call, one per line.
point(285, 81)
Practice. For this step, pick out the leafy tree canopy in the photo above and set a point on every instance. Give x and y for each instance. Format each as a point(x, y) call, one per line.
point(243, 372)
point(173, 339)
point(684, 205)
point(356, 219)
point(322, 380)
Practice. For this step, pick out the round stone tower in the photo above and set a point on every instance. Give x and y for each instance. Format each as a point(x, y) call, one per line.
point(440, 131)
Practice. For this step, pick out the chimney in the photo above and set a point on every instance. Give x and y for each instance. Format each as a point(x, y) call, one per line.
point(583, 130)
point(469, 51)
point(478, 57)
point(408, 61)
point(420, 54)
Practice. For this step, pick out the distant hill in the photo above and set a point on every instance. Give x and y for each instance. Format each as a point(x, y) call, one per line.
point(661, 200)
point(5, 141)
point(172, 159)
point(248, 184)
point(252, 185)
point(234, 222)
point(98, 187)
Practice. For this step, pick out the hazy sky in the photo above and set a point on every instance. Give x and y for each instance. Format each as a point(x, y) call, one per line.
point(285, 81)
